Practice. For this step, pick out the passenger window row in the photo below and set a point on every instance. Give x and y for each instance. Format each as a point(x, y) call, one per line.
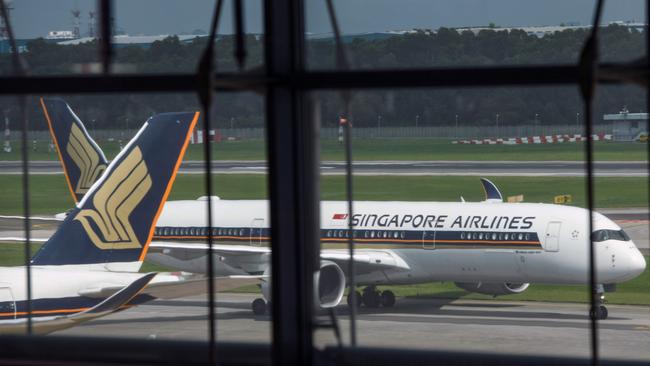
point(367, 234)
point(494, 236)
point(195, 231)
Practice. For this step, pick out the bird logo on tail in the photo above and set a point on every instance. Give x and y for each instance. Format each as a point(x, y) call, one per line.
point(108, 224)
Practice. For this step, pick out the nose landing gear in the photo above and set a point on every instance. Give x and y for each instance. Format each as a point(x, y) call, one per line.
point(599, 310)
point(259, 306)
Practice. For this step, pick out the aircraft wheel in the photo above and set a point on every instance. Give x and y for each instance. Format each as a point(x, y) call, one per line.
point(599, 313)
point(371, 298)
point(602, 312)
point(387, 299)
point(259, 306)
point(358, 298)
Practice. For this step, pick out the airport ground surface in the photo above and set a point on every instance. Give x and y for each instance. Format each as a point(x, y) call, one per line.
point(463, 325)
point(415, 168)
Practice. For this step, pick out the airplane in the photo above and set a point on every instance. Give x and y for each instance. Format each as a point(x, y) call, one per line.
point(488, 247)
point(89, 267)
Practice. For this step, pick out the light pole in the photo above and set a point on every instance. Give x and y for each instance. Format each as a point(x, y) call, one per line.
point(497, 125)
point(417, 118)
point(577, 122)
point(456, 126)
point(378, 124)
point(232, 123)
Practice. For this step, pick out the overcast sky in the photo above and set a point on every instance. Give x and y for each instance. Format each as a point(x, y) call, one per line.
point(34, 18)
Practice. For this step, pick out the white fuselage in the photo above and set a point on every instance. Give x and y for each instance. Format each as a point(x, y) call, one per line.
point(465, 242)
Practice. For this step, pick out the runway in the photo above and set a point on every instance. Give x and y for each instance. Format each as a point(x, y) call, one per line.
point(434, 324)
point(406, 168)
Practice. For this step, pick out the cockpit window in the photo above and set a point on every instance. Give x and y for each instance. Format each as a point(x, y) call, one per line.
point(602, 235)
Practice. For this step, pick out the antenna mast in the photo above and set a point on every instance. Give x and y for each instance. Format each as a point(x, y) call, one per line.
point(76, 15)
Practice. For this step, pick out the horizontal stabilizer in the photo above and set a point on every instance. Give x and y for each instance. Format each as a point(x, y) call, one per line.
point(45, 325)
point(121, 297)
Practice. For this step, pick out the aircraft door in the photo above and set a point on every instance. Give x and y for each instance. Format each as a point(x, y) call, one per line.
point(429, 240)
point(256, 232)
point(552, 243)
point(7, 303)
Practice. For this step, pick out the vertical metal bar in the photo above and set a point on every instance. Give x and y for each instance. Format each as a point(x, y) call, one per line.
point(26, 209)
point(20, 70)
point(592, 254)
point(350, 198)
point(240, 38)
point(207, 155)
point(647, 95)
point(342, 64)
point(588, 69)
point(293, 187)
point(205, 76)
point(106, 51)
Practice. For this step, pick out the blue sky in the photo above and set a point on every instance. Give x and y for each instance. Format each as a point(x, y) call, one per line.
point(34, 18)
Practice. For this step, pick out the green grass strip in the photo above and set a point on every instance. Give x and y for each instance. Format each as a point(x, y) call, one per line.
point(390, 149)
point(49, 194)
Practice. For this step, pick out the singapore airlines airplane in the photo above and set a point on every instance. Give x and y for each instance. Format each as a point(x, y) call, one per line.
point(88, 268)
point(489, 247)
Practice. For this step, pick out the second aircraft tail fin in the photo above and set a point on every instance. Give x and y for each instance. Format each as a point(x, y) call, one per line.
point(492, 193)
point(82, 159)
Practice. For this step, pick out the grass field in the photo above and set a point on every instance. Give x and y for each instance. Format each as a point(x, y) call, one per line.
point(392, 149)
point(636, 292)
point(50, 194)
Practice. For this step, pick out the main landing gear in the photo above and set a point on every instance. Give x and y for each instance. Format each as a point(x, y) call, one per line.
point(599, 310)
point(373, 298)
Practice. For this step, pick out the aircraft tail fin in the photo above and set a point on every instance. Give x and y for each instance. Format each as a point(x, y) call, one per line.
point(492, 193)
point(114, 222)
point(82, 159)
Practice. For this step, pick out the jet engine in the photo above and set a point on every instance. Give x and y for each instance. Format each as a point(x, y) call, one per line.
point(494, 289)
point(329, 285)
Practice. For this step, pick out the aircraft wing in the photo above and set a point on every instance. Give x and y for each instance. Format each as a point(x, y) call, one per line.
point(366, 260)
point(45, 325)
point(220, 249)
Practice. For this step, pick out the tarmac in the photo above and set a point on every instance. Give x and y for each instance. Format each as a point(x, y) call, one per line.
point(404, 168)
point(556, 329)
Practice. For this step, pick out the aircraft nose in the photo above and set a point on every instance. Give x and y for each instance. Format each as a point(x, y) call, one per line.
point(638, 264)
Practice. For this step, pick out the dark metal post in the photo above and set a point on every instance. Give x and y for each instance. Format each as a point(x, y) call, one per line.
point(293, 187)
point(105, 16)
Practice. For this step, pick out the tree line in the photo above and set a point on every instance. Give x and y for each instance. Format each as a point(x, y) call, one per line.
point(403, 107)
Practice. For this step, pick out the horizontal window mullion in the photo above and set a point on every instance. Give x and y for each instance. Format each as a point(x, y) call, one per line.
point(314, 80)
